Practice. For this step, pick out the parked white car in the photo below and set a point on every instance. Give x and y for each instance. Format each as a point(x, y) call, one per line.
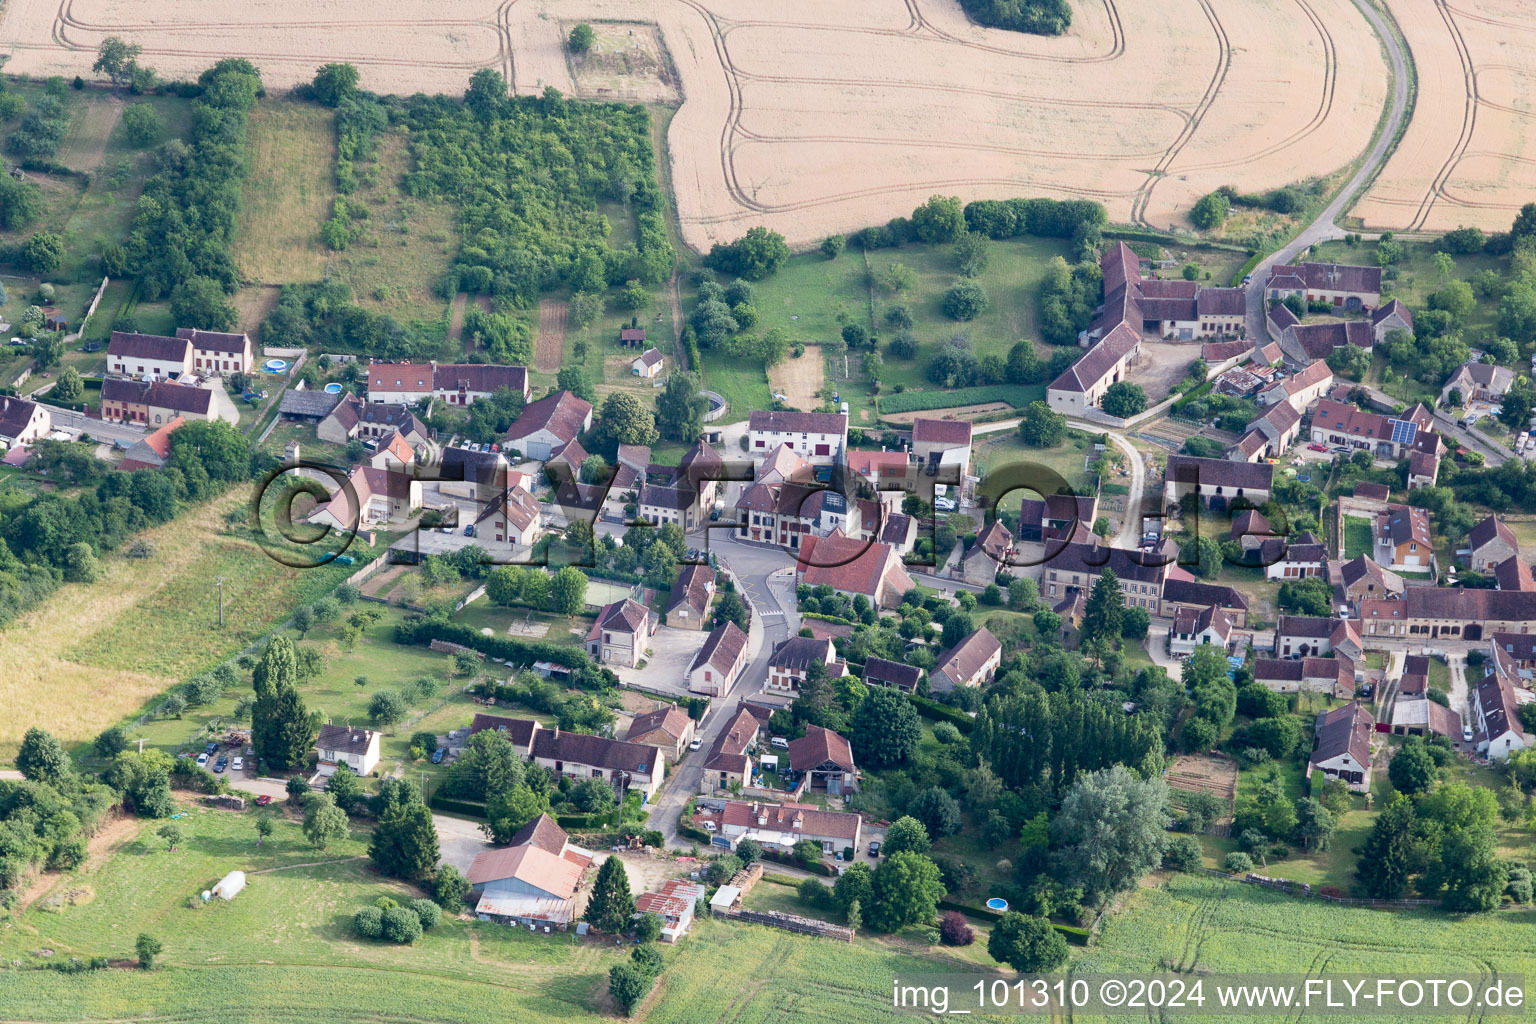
point(237, 765)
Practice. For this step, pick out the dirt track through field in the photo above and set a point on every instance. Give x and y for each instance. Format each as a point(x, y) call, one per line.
point(551, 344)
point(813, 118)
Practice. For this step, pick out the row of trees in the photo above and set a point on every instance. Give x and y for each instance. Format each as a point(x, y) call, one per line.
point(178, 243)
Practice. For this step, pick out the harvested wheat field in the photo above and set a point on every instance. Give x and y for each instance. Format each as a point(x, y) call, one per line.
point(1469, 154)
point(811, 117)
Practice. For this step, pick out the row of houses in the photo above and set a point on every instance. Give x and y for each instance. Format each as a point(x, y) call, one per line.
point(154, 356)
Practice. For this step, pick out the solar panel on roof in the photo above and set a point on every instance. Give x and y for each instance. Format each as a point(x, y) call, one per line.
point(1403, 431)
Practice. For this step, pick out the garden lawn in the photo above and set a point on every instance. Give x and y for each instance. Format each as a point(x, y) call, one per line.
point(1357, 537)
point(811, 298)
point(284, 950)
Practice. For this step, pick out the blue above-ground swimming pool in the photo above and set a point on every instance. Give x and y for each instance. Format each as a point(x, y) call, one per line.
point(333, 389)
point(997, 903)
point(275, 365)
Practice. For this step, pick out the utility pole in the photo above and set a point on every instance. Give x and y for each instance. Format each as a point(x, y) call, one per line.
point(220, 582)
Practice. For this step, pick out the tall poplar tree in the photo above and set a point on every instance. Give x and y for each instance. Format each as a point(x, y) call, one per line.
point(281, 729)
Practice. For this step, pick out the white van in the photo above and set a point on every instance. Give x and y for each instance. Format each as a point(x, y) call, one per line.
point(780, 742)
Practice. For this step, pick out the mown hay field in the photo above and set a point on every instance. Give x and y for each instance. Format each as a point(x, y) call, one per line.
point(814, 118)
point(288, 193)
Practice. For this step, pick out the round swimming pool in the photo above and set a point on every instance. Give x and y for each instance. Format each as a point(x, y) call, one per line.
point(997, 903)
point(276, 365)
point(333, 389)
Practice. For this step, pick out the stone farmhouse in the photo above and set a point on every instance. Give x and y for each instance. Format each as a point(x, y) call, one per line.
point(1347, 288)
point(619, 634)
point(819, 438)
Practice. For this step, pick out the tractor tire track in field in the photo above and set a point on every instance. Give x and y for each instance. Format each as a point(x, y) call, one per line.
point(1324, 107)
point(1468, 121)
point(1223, 66)
point(732, 130)
point(66, 20)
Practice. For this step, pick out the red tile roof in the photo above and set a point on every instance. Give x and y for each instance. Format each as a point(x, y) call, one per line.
point(561, 413)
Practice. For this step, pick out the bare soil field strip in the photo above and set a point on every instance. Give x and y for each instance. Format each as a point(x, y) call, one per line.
point(799, 379)
point(1469, 154)
point(551, 343)
point(813, 118)
point(1199, 773)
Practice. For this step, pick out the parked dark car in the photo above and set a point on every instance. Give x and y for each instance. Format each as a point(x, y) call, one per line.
point(221, 764)
point(437, 755)
point(874, 848)
point(210, 748)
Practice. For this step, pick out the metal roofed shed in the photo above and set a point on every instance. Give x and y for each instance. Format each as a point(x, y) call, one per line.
point(725, 897)
point(230, 885)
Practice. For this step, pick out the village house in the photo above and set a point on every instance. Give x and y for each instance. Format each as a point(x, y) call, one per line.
point(375, 420)
point(462, 384)
point(1393, 315)
point(670, 728)
point(1304, 344)
point(938, 444)
point(1300, 390)
point(1294, 559)
point(778, 827)
point(1251, 530)
point(702, 471)
point(1341, 746)
point(647, 364)
point(729, 763)
point(853, 568)
point(1495, 710)
point(1269, 436)
point(791, 663)
point(817, 437)
point(1334, 676)
point(1301, 635)
point(988, 555)
point(1347, 288)
point(369, 497)
point(217, 352)
point(149, 452)
point(787, 514)
point(22, 422)
point(1420, 716)
point(1423, 468)
point(1192, 629)
point(156, 402)
point(532, 882)
point(1219, 482)
point(691, 595)
point(1489, 543)
point(885, 471)
point(511, 517)
point(900, 532)
point(547, 424)
point(148, 355)
point(564, 462)
point(1335, 423)
point(392, 452)
point(971, 662)
point(825, 759)
point(1075, 567)
point(470, 473)
point(1180, 590)
point(781, 466)
point(518, 731)
point(718, 663)
point(629, 767)
point(620, 633)
point(1477, 381)
point(880, 672)
point(1364, 580)
point(1521, 648)
point(1403, 539)
point(1057, 516)
point(1514, 574)
point(1176, 310)
point(355, 747)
